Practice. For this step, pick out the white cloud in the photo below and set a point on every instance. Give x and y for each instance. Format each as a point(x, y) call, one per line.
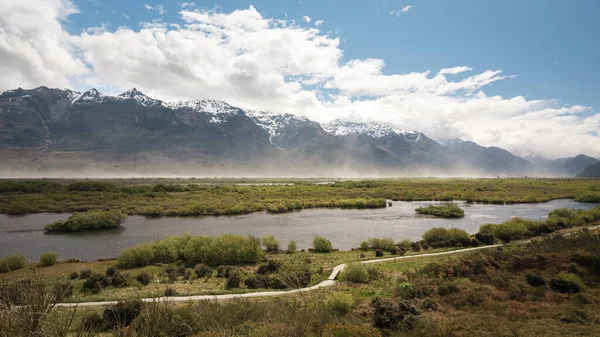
point(306, 18)
point(454, 70)
point(160, 9)
point(125, 16)
point(187, 4)
point(319, 22)
point(400, 11)
point(237, 57)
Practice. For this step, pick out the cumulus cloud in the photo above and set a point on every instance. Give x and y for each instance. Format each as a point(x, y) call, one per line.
point(34, 48)
point(187, 4)
point(319, 22)
point(160, 9)
point(238, 57)
point(306, 18)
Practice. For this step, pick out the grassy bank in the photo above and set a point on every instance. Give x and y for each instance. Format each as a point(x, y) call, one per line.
point(183, 197)
point(550, 287)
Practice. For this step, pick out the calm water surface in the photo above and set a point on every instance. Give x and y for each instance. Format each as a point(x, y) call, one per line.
point(345, 228)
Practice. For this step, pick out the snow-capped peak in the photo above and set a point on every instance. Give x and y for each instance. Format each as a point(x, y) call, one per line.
point(452, 142)
point(90, 96)
point(139, 97)
point(220, 110)
point(274, 123)
point(374, 129)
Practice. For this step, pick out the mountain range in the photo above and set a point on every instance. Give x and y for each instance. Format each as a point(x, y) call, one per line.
point(52, 130)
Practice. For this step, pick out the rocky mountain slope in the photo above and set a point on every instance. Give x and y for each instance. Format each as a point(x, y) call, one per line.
point(46, 129)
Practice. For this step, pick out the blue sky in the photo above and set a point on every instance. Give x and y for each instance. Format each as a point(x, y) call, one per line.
point(551, 45)
point(522, 75)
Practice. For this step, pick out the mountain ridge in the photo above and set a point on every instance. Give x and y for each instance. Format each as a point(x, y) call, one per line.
point(135, 131)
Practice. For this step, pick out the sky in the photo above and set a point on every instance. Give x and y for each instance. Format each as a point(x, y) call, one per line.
point(522, 75)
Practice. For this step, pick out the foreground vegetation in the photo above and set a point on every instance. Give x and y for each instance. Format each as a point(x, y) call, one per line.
point(549, 287)
point(170, 197)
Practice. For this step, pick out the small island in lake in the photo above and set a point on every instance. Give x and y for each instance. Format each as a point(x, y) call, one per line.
point(90, 220)
point(447, 210)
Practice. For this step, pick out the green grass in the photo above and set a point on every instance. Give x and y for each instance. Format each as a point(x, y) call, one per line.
point(189, 197)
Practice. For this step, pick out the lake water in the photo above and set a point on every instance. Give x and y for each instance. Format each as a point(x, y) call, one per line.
point(345, 228)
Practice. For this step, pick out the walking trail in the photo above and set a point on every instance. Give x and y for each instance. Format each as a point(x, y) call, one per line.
point(327, 283)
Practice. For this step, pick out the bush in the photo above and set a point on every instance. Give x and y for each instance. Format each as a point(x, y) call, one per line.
point(270, 243)
point(111, 271)
point(442, 237)
point(381, 243)
point(322, 245)
point(96, 282)
point(535, 280)
point(445, 290)
point(271, 266)
point(292, 247)
point(567, 283)
point(223, 271)
point(202, 270)
point(378, 253)
point(48, 259)
point(430, 304)
point(447, 210)
point(355, 273)
point(339, 303)
point(406, 290)
point(406, 244)
point(12, 262)
point(364, 245)
point(514, 229)
point(144, 278)
point(89, 220)
point(74, 275)
point(256, 282)
point(170, 292)
point(84, 274)
point(394, 314)
point(122, 314)
point(233, 280)
point(485, 238)
point(137, 256)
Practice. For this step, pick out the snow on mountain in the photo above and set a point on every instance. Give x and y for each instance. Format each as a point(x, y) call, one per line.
point(220, 110)
point(374, 129)
point(139, 97)
point(272, 122)
point(89, 97)
point(452, 143)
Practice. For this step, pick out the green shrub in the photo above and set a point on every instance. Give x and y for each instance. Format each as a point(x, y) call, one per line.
point(292, 247)
point(535, 280)
point(322, 245)
point(378, 253)
point(442, 237)
point(170, 292)
point(48, 259)
point(233, 280)
point(430, 304)
point(394, 314)
point(84, 274)
point(270, 243)
point(588, 196)
point(381, 243)
point(12, 262)
point(406, 290)
point(271, 266)
point(256, 282)
point(137, 256)
point(447, 210)
point(122, 314)
point(339, 303)
point(144, 278)
point(355, 273)
point(111, 271)
point(406, 244)
point(202, 270)
point(447, 289)
point(567, 283)
point(89, 220)
point(364, 245)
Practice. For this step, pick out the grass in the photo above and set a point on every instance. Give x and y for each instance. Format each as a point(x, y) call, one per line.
point(189, 197)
